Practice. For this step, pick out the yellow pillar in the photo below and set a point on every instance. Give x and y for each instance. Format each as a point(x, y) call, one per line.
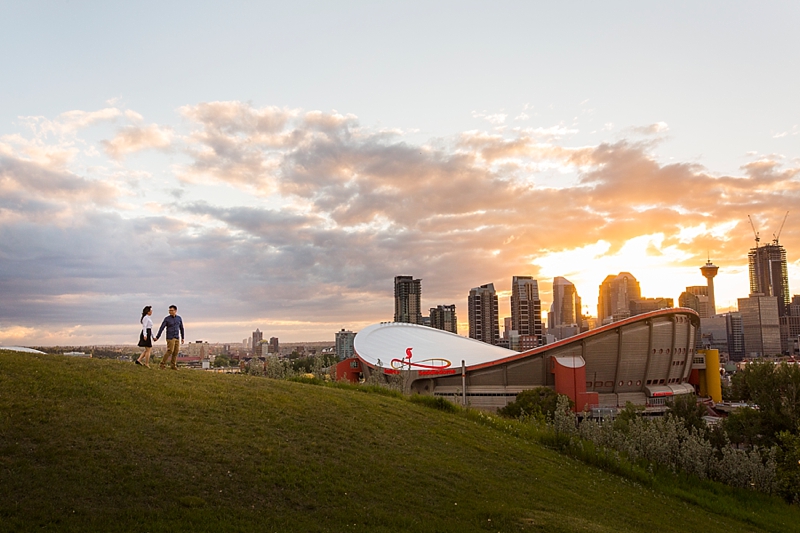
point(712, 377)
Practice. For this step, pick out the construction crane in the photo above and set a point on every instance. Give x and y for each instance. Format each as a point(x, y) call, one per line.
point(755, 233)
point(778, 235)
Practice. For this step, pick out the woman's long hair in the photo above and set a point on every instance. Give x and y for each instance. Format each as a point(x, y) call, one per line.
point(146, 310)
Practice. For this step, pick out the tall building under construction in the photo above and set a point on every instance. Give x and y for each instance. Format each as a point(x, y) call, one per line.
point(768, 274)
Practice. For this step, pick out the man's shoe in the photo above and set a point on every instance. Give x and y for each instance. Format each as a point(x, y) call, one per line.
point(162, 367)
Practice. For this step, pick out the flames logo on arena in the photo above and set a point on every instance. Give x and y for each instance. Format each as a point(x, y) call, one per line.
point(436, 365)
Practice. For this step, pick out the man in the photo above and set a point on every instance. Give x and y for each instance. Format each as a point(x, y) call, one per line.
point(174, 325)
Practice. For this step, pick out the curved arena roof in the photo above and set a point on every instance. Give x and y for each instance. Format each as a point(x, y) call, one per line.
point(402, 346)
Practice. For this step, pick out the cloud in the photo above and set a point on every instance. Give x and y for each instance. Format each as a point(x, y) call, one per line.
point(793, 131)
point(132, 139)
point(652, 129)
point(30, 188)
point(70, 122)
point(292, 217)
point(492, 118)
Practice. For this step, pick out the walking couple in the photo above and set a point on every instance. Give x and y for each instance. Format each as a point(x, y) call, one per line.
point(174, 326)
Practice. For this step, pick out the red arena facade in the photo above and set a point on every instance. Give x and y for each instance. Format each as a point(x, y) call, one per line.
point(644, 360)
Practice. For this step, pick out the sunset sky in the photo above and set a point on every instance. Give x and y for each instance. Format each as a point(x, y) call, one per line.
point(275, 166)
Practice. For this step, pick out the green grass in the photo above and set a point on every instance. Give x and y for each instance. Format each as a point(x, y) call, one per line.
point(109, 446)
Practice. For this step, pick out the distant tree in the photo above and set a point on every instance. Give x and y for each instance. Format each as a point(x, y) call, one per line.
point(744, 426)
point(222, 360)
point(775, 389)
point(691, 413)
point(789, 467)
point(539, 402)
point(627, 415)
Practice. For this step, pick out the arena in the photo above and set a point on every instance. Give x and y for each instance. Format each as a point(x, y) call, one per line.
point(644, 360)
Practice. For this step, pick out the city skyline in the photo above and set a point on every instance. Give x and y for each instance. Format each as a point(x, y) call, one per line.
point(275, 168)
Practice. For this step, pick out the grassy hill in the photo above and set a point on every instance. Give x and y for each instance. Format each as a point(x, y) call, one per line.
point(104, 445)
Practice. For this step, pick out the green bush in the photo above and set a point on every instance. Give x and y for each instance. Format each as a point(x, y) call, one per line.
point(434, 402)
point(540, 402)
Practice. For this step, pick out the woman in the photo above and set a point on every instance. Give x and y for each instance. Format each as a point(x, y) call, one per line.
point(146, 336)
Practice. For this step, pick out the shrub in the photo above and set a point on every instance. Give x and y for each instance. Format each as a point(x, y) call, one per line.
point(540, 402)
point(434, 402)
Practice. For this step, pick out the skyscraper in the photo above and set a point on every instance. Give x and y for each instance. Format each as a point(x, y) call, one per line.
point(768, 273)
point(484, 322)
point(566, 307)
point(760, 325)
point(697, 298)
point(640, 306)
point(526, 307)
point(407, 296)
point(616, 292)
point(790, 326)
point(444, 317)
point(274, 345)
point(258, 336)
point(733, 321)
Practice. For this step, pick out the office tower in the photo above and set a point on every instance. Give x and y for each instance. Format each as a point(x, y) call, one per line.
point(710, 270)
point(645, 305)
point(697, 298)
point(258, 336)
point(733, 321)
point(760, 325)
point(714, 333)
point(444, 317)
point(407, 296)
point(484, 323)
point(689, 301)
point(768, 274)
point(566, 307)
point(274, 345)
point(616, 292)
point(507, 328)
point(344, 344)
point(790, 326)
point(526, 307)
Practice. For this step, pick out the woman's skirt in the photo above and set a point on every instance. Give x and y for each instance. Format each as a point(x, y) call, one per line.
point(145, 342)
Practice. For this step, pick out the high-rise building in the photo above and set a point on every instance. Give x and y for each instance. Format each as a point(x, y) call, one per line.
point(697, 298)
point(526, 307)
point(768, 273)
point(258, 336)
point(274, 345)
point(484, 323)
point(714, 333)
point(444, 317)
point(616, 293)
point(507, 328)
point(344, 344)
point(790, 326)
point(733, 322)
point(709, 270)
point(407, 299)
point(760, 325)
point(566, 307)
point(645, 305)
